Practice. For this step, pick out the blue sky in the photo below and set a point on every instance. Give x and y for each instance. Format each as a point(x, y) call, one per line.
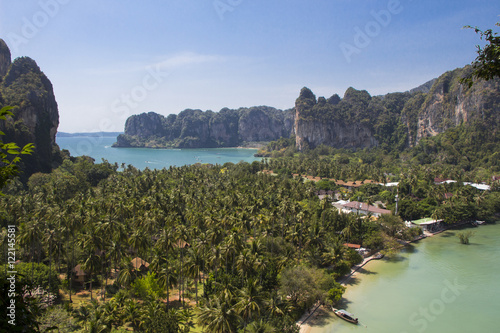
point(108, 60)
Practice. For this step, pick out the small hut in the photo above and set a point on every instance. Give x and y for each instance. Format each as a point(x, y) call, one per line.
point(139, 264)
point(79, 274)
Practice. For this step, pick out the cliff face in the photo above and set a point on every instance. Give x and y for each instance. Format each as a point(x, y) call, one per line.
point(257, 125)
point(448, 104)
point(206, 129)
point(36, 116)
point(357, 120)
point(396, 120)
point(327, 122)
point(5, 58)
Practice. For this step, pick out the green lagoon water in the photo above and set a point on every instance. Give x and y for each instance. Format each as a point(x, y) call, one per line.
point(435, 285)
point(141, 158)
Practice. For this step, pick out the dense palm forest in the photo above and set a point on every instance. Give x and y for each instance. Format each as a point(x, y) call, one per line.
point(229, 247)
point(220, 240)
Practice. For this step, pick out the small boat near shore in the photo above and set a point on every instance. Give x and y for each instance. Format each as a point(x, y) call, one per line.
point(345, 315)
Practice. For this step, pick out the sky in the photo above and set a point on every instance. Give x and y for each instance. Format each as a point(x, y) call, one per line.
point(110, 59)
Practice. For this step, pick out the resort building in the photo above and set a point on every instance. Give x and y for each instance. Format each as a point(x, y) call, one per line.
point(357, 207)
point(356, 247)
point(429, 224)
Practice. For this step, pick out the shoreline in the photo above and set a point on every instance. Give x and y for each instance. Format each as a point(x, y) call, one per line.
point(310, 320)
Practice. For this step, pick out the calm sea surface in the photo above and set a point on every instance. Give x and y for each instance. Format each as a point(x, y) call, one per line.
point(141, 158)
point(435, 285)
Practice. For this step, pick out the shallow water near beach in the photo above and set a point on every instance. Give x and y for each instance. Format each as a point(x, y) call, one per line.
point(141, 158)
point(434, 285)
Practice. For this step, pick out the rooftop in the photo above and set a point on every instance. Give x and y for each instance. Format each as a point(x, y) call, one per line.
point(364, 206)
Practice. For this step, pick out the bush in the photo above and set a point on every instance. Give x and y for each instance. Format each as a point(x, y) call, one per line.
point(33, 274)
point(147, 287)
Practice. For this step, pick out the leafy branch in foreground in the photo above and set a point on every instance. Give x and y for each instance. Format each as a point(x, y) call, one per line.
point(487, 64)
point(9, 165)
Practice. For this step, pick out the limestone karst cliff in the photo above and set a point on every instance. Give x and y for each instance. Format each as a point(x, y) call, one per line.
point(393, 121)
point(36, 117)
point(207, 129)
point(329, 122)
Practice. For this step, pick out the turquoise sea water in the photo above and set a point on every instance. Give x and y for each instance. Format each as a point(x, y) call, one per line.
point(435, 285)
point(141, 158)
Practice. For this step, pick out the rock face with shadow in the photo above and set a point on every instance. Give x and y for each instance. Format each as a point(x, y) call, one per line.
point(36, 117)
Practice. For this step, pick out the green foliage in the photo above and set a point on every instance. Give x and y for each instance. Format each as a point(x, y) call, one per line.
point(57, 319)
point(335, 293)
point(465, 236)
point(306, 285)
point(24, 316)
point(36, 275)
point(147, 287)
point(10, 153)
point(487, 64)
point(163, 320)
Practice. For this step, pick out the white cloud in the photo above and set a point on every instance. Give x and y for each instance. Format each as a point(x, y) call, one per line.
point(188, 58)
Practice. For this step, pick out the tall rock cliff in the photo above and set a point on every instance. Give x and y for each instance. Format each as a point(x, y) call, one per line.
point(330, 122)
point(36, 117)
point(206, 129)
point(396, 120)
point(449, 103)
point(5, 58)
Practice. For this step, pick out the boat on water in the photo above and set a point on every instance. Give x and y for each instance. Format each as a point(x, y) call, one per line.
point(345, 315)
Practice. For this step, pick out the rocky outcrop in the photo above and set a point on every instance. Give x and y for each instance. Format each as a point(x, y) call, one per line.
point(321, 122)
point(206, 129)
point(449, 104)
point(261, 124)
point(5, 58)
point(396, 120)
point(36, 116)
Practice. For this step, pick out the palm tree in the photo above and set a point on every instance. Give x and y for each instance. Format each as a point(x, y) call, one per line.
point(219, 316)
point(194, 267)
point(127, 272)
point(249, 301)
point(139, 241)
point(260, 327)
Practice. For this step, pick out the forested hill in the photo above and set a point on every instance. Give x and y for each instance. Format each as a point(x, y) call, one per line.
point(206, 129)
point(393, 122)
point(36, 117)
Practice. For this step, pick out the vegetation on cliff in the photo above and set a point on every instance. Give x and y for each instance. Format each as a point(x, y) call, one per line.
point(396, 121)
